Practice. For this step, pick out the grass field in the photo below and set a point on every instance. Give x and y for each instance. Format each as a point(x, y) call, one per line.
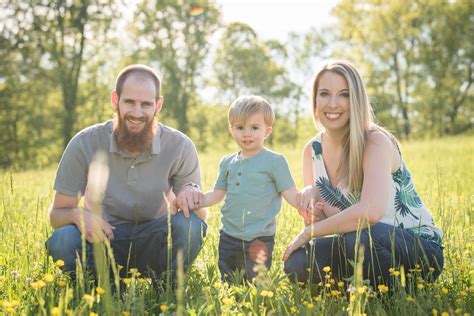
point(30, 283)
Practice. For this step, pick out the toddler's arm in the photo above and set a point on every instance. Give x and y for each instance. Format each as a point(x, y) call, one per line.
point(205, 200)
point(305, 201)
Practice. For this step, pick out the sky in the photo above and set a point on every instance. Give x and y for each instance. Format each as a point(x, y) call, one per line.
point(274, 19)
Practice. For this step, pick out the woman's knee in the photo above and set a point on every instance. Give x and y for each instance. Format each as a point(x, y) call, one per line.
point(296, 266)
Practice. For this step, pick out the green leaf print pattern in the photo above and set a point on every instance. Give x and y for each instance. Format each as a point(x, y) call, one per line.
point(405, 196)
point(318, 150)
point(334, 196)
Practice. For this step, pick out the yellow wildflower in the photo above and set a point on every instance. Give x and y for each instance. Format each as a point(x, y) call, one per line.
point(309, 305)
point(409, 299)
point(340, 284)
point(361, 290)
point(163, 307)
point(61, 283)
point(93, 314)
point(293, 309)
point(328, 285)
point(217, 285)
point(55, 311)
point(383, 288)
point(444, 290)
point(434, 312)
point(227, 301)
point(327, 269)
point(127, 281)
point(318, 298)
point(59, 263)
point(125, 313)
point(88, 298)
point(420, 286)
point(458, 311)
point(444, 314)
point(100, 290)
point(48, 278)
point(335, 293)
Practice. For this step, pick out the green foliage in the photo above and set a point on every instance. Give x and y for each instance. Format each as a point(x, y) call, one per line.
point(168, 34)
point(31, 284)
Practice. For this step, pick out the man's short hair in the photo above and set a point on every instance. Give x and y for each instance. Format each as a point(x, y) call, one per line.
point(140, 70)
point(245, 106)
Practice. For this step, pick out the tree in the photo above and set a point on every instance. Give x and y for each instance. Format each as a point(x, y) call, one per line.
point(170, 35)
point(416, 56)
point(246, 65)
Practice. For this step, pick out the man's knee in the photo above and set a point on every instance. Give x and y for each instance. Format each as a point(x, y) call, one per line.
point(63, 244)
point(189, 230)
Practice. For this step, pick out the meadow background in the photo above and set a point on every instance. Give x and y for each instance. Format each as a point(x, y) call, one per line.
point(30, 283)
point(58, 63)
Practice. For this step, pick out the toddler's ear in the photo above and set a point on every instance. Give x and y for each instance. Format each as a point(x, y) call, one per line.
point(268, 131)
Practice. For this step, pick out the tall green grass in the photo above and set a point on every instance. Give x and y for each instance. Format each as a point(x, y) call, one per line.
point(30, 283)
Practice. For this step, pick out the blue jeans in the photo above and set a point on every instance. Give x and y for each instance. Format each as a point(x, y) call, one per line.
point(236, 254)
point(385, 246)
point(142, 246)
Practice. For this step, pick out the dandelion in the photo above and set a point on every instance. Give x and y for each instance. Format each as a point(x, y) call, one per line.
point(163, 307)
point(141, 280)
point(327, 276)
point(458, 311)
point(409, 299)
point(227, 301)
point(463, 293)
point(309, 305)
point(218, 285)
point(48, 278)
point(318, 298)
point(444, 314)
point(328, 285)
point(431, 269)
point(434, 312)
point(61, 283)
point(100, 290)
point(395, 273)
point(293, 309)
point(265, 293)
point(383, 288)
point(420, 286)
point(340, 284)
point(125, 313)
point(59, 263)
point(88, 298)
point(444, 290)
point(361, 289)
point(335, 293)
point(127, 281)
point(93, 314)
point(55, 311)
point(327, 269)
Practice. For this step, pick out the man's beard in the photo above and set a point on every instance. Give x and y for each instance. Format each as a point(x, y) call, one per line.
point(134, 142)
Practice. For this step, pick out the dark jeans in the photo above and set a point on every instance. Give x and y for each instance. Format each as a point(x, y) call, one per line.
point(236, 254)
point(141, 246)
point(385, 246)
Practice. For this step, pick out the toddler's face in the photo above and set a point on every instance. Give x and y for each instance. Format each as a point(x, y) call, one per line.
point(250, 134)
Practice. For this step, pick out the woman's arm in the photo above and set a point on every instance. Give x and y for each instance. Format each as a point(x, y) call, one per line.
point(377, 166)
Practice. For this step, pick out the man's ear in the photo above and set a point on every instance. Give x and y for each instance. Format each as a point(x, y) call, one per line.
point(114, 98)
point(268, 131)
point(159, 104)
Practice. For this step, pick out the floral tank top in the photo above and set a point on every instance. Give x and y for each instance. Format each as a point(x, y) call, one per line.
point(404, 209)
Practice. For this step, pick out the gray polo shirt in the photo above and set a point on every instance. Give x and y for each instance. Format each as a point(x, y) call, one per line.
point(136, 186)
point(253, 198)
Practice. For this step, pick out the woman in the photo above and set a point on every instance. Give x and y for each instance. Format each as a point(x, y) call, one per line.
point(355, 167)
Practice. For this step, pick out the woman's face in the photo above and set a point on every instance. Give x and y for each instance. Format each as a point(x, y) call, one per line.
point(332, 101)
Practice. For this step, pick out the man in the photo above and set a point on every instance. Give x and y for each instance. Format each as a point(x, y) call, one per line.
point(148, 164)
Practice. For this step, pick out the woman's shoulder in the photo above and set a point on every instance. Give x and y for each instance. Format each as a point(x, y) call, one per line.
point(311, 143)
point(381, 138)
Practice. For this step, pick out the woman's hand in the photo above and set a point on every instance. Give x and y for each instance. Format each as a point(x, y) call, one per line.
point(305, 201)
point(302, 238)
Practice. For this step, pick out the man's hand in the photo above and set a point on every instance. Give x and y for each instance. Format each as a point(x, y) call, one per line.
point(189, 198)
point(94, 227)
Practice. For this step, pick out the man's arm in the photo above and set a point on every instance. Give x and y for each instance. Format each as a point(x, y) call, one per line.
point(65, 211)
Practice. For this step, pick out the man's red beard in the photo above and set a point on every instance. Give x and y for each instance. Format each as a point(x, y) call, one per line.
point(134, 142)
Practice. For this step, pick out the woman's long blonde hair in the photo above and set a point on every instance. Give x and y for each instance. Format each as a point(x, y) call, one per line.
point(361, 123)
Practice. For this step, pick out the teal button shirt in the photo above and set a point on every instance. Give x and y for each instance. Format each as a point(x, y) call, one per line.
point(253, 187)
